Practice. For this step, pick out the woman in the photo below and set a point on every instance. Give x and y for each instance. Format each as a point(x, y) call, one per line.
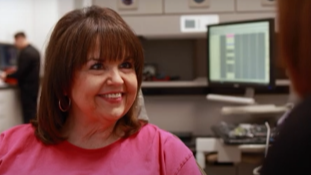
point(290, 154)
point(87, 123)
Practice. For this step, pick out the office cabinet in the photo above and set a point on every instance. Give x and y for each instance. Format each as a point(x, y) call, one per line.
point(10, 110)
point(255, 5)
point(132, 7)
point(198, 6)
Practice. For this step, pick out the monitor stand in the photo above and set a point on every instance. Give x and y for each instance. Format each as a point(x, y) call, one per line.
point(247, 99)
point(249, 92)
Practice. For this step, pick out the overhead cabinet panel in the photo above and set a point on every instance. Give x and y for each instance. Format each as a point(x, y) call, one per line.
point(255, 5)
point(132, 7)
point(198, 6)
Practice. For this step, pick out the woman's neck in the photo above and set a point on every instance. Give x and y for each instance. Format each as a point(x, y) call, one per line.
point(89, 134)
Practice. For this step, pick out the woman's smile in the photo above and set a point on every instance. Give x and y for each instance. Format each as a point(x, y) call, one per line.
point(112, 97)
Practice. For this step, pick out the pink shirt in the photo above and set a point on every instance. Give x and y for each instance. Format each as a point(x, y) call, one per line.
point(150, 151)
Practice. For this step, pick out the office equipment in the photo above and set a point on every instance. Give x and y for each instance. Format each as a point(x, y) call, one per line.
point(225, 153)
point(240, 55)
point(257, 170)
point(8, 56)
point(232, 134)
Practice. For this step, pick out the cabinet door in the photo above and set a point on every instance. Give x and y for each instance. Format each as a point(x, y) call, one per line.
point(198, 6)
point(10, 110)
point(255, 5)
point(132, 7)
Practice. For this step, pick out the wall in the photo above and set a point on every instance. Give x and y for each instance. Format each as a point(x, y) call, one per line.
point(16, 15)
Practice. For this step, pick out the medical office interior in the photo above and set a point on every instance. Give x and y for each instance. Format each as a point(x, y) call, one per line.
point(211, 74)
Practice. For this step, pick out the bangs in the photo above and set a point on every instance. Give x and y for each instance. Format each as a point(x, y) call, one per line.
point(115, 42)
point(116, 46)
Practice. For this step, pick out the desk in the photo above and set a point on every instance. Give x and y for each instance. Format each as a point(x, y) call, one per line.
point(226, 153)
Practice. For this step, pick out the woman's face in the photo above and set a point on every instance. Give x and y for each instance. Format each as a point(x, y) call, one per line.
point(103, 91)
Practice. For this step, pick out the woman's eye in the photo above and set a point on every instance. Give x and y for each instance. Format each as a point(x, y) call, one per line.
point(97, 66)
point(126, 65)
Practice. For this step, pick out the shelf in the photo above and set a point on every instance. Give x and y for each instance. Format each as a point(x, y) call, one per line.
point(198, 82)
point(254, 109)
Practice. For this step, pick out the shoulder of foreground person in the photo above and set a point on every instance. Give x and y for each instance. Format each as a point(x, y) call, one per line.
point(31, 53)
point(15, 137)
point(176, 157)
point(290, 153)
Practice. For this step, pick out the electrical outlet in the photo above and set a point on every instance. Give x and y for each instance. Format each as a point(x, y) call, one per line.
point(268, 2)
point(198, 3)
point(127, 4)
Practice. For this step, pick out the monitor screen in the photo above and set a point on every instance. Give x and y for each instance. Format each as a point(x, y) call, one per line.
point(8, 55)
point(240, 53)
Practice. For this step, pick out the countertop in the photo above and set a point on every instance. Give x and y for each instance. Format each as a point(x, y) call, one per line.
point(6, 86)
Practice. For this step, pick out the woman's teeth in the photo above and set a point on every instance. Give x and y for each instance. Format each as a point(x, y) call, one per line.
point(114, 95)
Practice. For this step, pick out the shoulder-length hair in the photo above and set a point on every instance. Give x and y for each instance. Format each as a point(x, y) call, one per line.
point(73, 37)
point(295, 42)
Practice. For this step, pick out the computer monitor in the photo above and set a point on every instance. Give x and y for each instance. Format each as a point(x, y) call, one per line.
point(240, 54)
point(8, 56)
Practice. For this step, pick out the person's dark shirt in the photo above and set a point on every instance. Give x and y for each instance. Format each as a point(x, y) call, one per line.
point(290, 154)
point(28, 67)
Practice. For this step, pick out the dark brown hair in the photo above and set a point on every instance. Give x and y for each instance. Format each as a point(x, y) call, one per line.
point(295, 42)
point(73, 37)
point(19, 34)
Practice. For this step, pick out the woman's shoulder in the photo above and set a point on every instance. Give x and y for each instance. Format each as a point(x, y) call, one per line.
point(17, 134)
point(164, 138)
point(19, 130)
point(175, 156)
point(299, 118)
point(153, 130)
point(290, 154)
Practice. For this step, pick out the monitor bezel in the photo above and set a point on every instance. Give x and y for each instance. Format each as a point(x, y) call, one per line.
point(271, 83)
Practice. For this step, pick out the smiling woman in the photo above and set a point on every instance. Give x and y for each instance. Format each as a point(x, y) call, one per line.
point(87, 119)
point(79, 50)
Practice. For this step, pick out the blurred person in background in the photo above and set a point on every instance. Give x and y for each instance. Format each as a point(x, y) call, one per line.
point(290, 154)
point(27, 76)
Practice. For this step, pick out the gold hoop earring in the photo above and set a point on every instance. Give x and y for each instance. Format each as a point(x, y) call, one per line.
point(61, 108)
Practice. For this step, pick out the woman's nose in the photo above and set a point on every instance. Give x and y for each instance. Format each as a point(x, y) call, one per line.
point(115, 77)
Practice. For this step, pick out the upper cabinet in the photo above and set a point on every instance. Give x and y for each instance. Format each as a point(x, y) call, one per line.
point(132, 7)
point(198, 6)
point(255, 5)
